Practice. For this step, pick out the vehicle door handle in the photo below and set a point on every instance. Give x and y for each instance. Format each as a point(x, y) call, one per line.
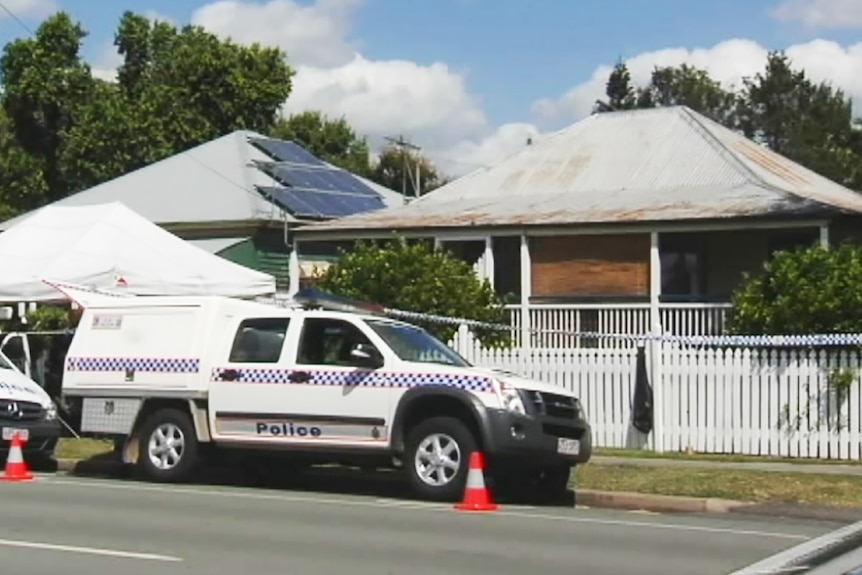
point(299, 376)
point(229, 375)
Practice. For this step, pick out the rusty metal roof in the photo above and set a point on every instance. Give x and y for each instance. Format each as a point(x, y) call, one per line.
point(661, 164)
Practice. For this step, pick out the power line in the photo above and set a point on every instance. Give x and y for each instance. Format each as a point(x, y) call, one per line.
point(15, 17)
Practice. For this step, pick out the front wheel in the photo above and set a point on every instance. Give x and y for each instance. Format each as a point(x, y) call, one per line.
point(438, 458)
point(168, 446)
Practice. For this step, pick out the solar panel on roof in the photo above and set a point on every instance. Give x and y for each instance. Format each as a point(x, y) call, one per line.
point(334, 180)
point(283, 151)
point(319, 204)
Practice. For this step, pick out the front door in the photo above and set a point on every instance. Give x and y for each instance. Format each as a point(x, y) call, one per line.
point(344, 397)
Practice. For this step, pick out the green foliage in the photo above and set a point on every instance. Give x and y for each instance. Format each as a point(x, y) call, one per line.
point(812, 290)
point(416, 277)
point(62, 130)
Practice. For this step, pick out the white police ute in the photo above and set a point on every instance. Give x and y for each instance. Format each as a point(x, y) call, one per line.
point(175, 378)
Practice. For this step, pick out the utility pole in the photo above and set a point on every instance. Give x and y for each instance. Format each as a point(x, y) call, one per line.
point(405, 147)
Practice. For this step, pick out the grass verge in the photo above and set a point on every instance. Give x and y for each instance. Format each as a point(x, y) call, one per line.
point(740, 485)
point(82, 448)
point(646, 454)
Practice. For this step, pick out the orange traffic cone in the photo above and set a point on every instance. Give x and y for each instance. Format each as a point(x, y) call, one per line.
point(16, 469)
point(476, 496)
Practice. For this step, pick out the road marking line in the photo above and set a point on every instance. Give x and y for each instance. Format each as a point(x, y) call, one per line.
point(217, 492)
point(86, 550)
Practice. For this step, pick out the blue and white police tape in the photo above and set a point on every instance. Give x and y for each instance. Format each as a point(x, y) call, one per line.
point(800, 340)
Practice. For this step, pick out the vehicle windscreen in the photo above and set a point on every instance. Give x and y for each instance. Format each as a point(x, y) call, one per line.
point(414, 344)
point(5, 362)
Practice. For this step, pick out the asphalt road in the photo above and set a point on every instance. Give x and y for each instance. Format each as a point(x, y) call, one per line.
point(78, 526)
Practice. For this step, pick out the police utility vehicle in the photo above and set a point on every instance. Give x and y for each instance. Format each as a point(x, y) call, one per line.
point(174, 379)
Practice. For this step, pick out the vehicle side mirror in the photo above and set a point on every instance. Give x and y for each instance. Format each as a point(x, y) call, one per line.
point(367, 355)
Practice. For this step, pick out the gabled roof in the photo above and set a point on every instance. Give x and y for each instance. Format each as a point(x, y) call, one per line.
point(660, 164)
point(215, 182)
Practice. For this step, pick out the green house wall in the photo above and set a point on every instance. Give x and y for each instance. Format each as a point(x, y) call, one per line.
point(265, 252)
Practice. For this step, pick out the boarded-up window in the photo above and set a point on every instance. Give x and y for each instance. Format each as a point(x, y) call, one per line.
point(590, 266)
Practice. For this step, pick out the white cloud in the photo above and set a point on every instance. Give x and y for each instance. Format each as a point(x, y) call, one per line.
point(821, 13)
point(468, 155)
point(427, 103)
point(431, 104)
point(29, 8)
point(727, 62)
point(312, 35)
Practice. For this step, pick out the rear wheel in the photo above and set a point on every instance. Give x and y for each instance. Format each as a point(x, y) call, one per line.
point(438, 458)
point(168, 446)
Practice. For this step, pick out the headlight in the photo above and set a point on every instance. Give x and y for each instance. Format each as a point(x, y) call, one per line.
point(51, 412)
point(580, 412)
point(511, 398)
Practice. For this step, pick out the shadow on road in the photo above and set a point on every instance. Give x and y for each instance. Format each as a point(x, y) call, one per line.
point(332, 480)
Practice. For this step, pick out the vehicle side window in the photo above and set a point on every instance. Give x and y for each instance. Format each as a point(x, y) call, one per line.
point(327, 341)
point(259, 340)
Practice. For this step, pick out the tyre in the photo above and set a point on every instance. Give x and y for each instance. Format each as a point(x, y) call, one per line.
point(438, 458)
point(168, 446)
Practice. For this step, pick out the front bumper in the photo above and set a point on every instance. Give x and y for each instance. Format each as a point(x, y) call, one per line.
point(516, 436)
point(43, 435)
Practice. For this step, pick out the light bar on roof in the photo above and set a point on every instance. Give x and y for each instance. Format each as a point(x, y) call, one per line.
point(316, 298)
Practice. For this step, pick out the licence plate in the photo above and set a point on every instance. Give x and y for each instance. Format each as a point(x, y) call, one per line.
point(568, 446)
point(9, 432)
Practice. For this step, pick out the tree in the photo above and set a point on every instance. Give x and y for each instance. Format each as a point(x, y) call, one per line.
point(22, 180)
point(176, 88)
point(397, 169)
point(44, 84)
point(332, 140)
point(812, 290)
point(619, 90)
point(416, 277)
point(692, 87)
point(809, 123)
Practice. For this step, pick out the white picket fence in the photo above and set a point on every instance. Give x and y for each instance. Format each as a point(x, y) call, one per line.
point(752, 401)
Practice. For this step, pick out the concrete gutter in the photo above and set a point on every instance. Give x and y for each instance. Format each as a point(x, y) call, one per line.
point(655, 503)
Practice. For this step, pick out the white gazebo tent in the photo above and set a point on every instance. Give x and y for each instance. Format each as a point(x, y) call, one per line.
point(108, 246)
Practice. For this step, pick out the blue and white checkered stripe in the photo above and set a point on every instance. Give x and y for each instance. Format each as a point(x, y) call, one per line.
point(144, 364)
point(360, 379)
point(802, 340)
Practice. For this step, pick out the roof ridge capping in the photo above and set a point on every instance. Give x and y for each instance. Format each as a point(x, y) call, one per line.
point(768, 169)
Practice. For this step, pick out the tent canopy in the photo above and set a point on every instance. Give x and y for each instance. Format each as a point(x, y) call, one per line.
point(109, 246)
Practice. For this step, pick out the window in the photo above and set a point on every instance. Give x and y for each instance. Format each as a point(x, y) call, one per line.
point(414, 344)
point(327, 341)
point(259, 340)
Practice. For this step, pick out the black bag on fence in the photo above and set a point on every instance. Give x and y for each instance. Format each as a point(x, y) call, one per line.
point(642, 406)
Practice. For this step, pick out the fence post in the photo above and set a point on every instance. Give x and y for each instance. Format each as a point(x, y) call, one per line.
point(656, 357)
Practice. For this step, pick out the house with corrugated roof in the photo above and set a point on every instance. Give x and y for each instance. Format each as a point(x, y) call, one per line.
point(625, 222)
point(240, 196)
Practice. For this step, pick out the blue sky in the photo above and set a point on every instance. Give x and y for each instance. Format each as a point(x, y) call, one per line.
point(509, 53)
